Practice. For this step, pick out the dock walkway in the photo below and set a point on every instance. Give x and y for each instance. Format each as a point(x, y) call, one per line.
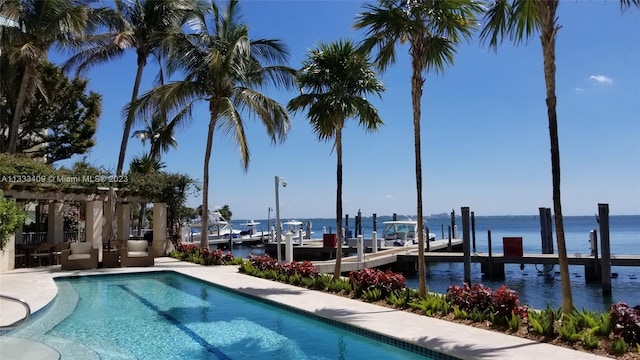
point(384, 256)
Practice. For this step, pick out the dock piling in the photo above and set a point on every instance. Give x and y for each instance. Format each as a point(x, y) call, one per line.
point(605, 263)
point(374, 242)
point(473, 231)
point(466, 244)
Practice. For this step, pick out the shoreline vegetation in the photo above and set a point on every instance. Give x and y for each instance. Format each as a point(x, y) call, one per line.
point(615, 333)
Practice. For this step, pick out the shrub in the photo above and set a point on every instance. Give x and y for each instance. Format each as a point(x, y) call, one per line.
point(626, 322)
point(263, 262)
point(11, 217)
point(619, 346)
point(369, 279)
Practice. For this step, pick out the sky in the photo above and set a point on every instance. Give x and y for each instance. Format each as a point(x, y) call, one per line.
point(485, 138)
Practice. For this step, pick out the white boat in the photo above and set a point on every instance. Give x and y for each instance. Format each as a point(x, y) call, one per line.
point(402, 233)
point(251, 232)
point(294, 227)
point(219, 230)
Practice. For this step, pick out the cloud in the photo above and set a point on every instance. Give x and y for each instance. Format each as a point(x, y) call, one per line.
point(389, 196)
point(578, 89)
point(601, 79)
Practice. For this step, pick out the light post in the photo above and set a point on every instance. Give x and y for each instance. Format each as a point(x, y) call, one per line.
point(278, 180)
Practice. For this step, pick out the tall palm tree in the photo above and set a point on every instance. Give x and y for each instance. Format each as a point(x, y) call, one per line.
point(36, 26)
point(143, 25)
point(433, 29)
point(224, 68)
point(519, 20)
point(335, 80)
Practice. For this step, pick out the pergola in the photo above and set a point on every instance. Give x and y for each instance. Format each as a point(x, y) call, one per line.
point(102, 205)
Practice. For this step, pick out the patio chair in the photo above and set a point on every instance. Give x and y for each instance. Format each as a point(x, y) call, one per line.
point(79, 256)
point(136, 253)
point(43, 251)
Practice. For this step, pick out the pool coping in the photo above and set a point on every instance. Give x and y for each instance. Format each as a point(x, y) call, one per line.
point(456, 340)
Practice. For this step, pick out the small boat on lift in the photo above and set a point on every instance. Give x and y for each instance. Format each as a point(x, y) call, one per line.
point(403, 233)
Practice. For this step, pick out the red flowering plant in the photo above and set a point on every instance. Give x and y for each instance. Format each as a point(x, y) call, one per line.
point(263, 262)
point(502, 302)
point(626, 322)
point(305, 269)
point(371, 278)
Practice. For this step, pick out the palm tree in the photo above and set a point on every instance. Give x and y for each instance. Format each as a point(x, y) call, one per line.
point(143, 25)
point(433, 28)
point(144, 164)
point(519, 20)
point(39, 24)
point(225, 68)
point(335, 80)
point(159, 136)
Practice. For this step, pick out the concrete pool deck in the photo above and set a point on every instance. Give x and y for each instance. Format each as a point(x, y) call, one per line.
point(37, 288)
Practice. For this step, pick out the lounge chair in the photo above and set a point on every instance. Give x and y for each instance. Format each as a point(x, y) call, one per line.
point(136, 253)
point(79, 256)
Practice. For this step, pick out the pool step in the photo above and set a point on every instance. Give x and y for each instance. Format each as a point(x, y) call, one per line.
point(14, 348)
point(44, 347)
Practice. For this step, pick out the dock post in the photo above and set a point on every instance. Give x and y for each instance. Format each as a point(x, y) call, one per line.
point(466, 244)
point(442, 230)
point(453, 222)
point(300, 236)
point(394, 217)
point(375, 222)
point(345, 233)
point(592, 272)
point(605, 263)
point(546, 230)
point(374, 242)
point(473, 231)
point(359, 223)
point(288, 253)
point(360, 248)
point(308, 234)
point(487, 266)
point(449, 246)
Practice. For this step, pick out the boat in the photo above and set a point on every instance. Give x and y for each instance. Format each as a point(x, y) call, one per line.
point(294, 227)
point(250, 234)
point(402, 233)
point(220, 231)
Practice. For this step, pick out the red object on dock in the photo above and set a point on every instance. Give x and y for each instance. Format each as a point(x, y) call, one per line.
point(512, 246)
point(329, 240)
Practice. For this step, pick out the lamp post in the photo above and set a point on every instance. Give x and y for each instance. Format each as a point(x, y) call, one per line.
point(278, 180)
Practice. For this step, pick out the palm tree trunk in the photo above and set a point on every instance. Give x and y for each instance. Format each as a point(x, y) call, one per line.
point(336, 269)
point(416, 94)
point(17, 114)
point(142, 61)
point(204, 230)
point(548, 39)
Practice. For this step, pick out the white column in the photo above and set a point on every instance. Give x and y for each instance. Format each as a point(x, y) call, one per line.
point(124, 221)
point(93, 225)
point(55, 223)
point(288, 253)
point(374, 242)
point(360, 248)
point(160, 243)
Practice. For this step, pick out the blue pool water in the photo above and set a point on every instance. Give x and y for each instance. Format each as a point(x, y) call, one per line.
point(165, 315)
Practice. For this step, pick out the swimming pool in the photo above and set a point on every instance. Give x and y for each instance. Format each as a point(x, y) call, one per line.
point(166, 315)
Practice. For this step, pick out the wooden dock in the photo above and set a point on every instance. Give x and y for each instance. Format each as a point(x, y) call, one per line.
point(384, 256)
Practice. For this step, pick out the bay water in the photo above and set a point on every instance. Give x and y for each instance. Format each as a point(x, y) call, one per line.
point(536, 289)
